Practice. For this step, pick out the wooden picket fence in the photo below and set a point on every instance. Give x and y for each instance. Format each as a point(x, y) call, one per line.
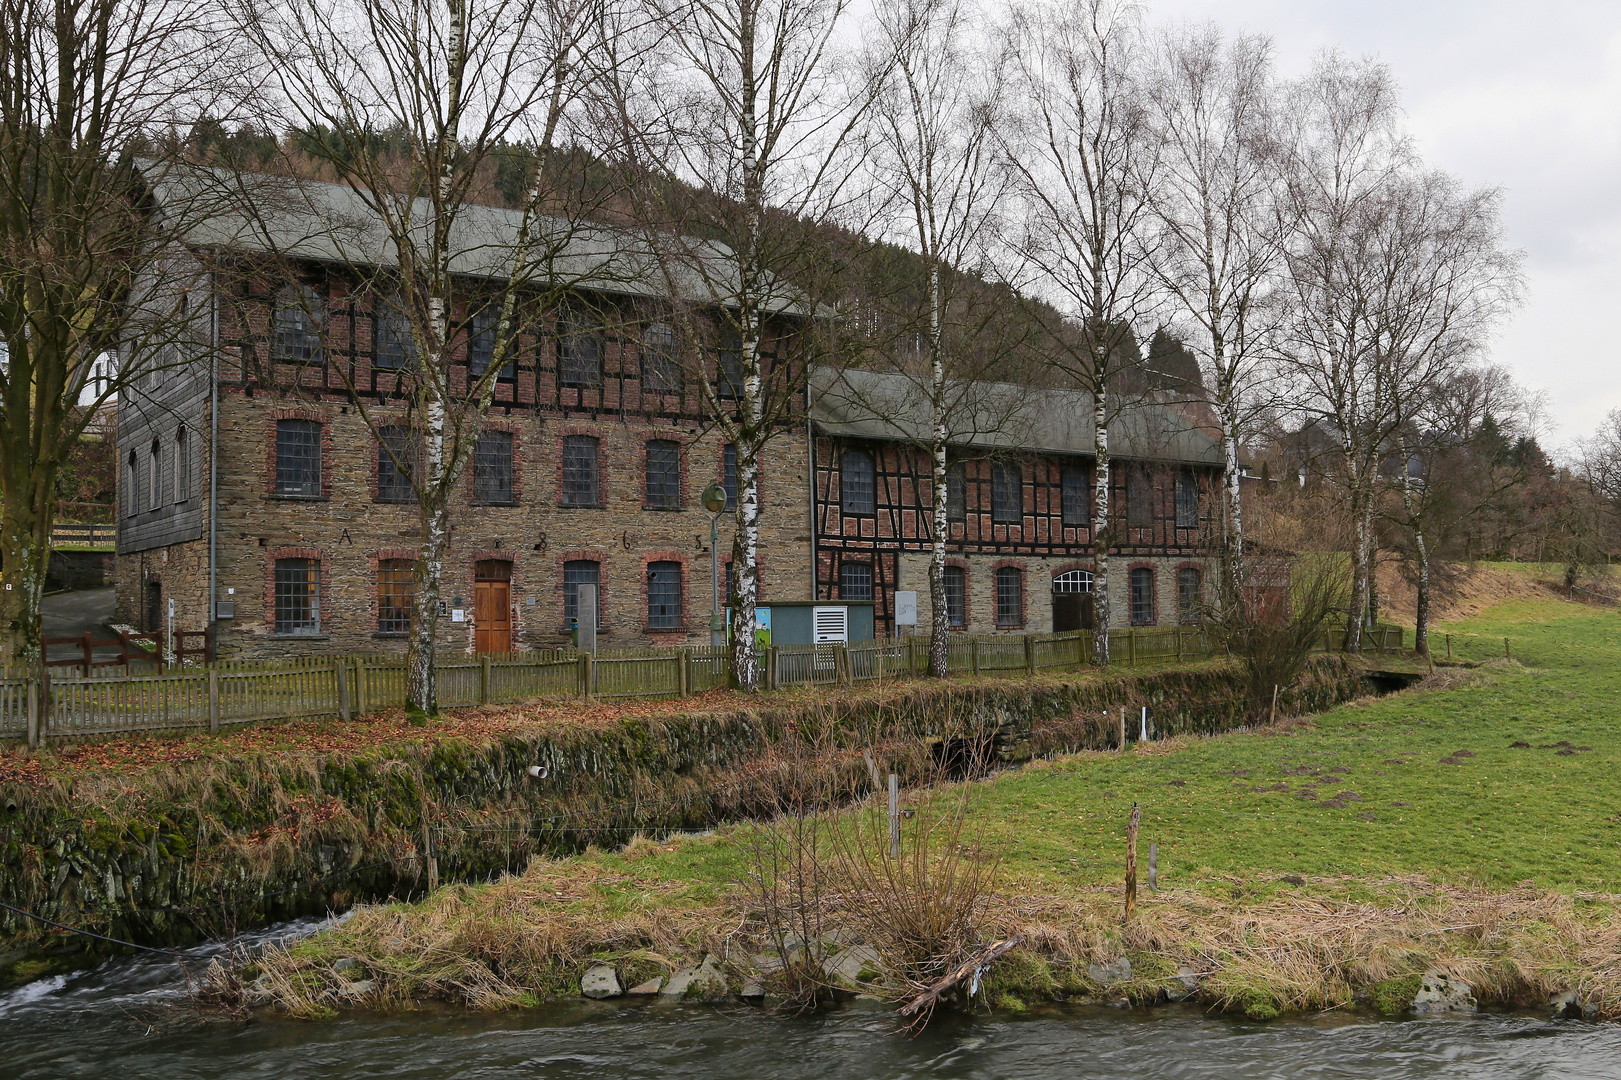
point(227, 693)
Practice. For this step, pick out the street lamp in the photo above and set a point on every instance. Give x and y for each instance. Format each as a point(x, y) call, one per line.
point(714, 502)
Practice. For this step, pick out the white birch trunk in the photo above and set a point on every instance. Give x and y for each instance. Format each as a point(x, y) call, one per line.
point(1101, 529)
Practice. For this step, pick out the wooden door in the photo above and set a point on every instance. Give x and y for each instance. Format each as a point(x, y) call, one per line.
point(1066, 612)
point(492, 608)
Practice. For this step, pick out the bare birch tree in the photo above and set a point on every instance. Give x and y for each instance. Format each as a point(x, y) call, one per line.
point(932, 135)
point(405, 102)
point(88, 268)
point(1441, 279)
point(1083, 155)
point(1344, 149)
point(744, 141)
point(1216, 202)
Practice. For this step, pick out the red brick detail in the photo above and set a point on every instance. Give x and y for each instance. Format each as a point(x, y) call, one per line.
point(323, 579)
point(604, 617)
point(327, 457)
point(1024, 593)
point(667, 636)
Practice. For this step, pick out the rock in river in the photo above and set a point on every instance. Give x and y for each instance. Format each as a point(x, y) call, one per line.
point(600, 981)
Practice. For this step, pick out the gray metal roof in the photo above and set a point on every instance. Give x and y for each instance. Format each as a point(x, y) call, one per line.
point(994, 416)
point(333, 223)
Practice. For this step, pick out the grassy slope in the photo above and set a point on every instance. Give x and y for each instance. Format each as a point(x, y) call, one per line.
point(1497, 818)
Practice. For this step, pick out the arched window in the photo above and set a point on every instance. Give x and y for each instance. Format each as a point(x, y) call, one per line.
point(156, 499)
point(581, 485)
point(664, 596)
point(956, 582)
point(134, 486)
point(396, 589)
point(182, 466)
point(298, 596)
point(577, 572)
point(1073, 581)
point(1189, 594)
point(1142, 596)
point(1009, 596)
point(857, 483)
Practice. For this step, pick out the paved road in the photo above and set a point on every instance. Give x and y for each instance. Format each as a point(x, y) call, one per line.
point(70, 614)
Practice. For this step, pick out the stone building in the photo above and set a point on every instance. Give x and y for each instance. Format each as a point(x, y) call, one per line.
point(249, 477)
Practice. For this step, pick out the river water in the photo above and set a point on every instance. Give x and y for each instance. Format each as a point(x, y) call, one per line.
point(129, 1019)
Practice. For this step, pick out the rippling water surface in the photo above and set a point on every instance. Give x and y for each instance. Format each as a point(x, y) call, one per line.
point(129, 1020)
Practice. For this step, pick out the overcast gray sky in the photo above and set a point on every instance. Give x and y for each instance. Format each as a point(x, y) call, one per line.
point(1526, 96)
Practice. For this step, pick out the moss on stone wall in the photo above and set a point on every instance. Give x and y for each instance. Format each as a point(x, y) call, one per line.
point(201, 850)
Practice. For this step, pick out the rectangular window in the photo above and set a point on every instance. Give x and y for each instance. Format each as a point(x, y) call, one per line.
point(481, 347)
point(1189, 594)
point(664, 596)
point(298, 596)
point(579, 355)
point(729, 367)
point(1139, 499)
point(1076, 496)
point(396, 460)
point(1187, 501)
point(580, 486)
point(295, 336)
point(956, 582)
point(855, 581)
point(1007, 492)
point(663, 474)
point(577, 572)
point(956, 492)
point(661, 360)
point(1142, 596)
point(1009, 596)
point(857, 483)
point(395, 348)
point(298, 457)
point(396, 589)
point(492, 468)
point(728, 474)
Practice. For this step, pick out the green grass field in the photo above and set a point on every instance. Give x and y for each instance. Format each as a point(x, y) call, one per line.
point(1423, 782)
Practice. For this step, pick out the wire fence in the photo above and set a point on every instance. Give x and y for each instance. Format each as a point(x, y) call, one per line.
point(214, 696)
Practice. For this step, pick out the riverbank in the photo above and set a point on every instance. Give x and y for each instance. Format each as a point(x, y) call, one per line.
point(1465, 829)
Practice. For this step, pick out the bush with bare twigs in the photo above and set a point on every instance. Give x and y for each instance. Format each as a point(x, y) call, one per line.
point(1280, 618)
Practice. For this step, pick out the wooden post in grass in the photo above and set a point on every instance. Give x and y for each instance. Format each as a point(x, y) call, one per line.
point(1506, 654)
point(1449, 646)
point(1122, 728)
point(894, 817)
point(1153, 868)
point(1131, 860)
point(213, 701)
point(1274, 717)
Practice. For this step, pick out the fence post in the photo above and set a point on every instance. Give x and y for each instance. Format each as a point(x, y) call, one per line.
point(484, 681)
point(973, 656)
point(87, 650)
point(213, 701)
point(842, 658)
point(771, 673)
point(1179, 644)
point(341, 674)
point(1131, 647)
point(33, 715)
point(123, 649)
point(585, 676)
point(1029, 655)
point(360, 687)
point(684, 658)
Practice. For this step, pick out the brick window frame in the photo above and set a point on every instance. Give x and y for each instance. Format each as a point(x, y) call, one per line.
point(665, 635)
point(1024, 594)
point(683, 448)
point(323, 579)
point(376, 559)
point(1199, 569)
point(604, 588)
point(327, 455)
point(516, 431)
point(602, 467)
point(1153, 594)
